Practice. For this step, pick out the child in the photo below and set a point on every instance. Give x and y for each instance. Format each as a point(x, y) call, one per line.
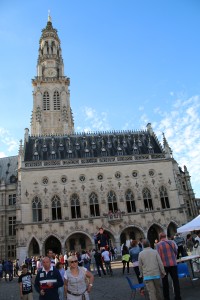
point(25, 284)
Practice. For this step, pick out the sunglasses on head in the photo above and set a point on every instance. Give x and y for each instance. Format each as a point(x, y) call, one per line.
point(73, 261)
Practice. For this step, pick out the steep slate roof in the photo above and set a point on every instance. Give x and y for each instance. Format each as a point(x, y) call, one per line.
point(8, 169)
point(91, 145)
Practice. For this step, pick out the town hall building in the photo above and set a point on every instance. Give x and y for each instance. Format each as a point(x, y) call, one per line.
point(63, 185)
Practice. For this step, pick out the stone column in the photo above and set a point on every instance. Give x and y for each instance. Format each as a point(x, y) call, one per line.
point(117, 245)
point(21, 253)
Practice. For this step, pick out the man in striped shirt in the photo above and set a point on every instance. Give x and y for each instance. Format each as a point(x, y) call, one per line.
point(47, 281)
point(168, 252)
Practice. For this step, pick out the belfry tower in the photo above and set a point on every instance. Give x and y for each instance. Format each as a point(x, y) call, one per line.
point(52, 113)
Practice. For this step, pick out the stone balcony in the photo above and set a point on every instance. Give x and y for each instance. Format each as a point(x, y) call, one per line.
point(115, 218)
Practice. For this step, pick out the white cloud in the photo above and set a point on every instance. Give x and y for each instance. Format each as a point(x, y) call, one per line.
point(90, 112)
point(10, 143)
point(141, 108)
point(91, 120)
point(181, 126)
point(2, 154)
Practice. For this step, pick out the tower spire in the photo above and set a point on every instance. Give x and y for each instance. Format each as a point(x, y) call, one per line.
point(168, 151)
point(49, 16)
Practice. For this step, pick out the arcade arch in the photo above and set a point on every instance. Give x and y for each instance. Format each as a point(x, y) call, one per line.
point(78, 241)
point(52, 243)
point(34, 248)
point(153, 234)
point(171, 229)
point(130, 233)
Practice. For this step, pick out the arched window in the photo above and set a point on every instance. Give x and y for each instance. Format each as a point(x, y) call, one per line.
point(94, 205)
point(37, 209)
point(135, 150)
point(103, 152)
point(164, 197)
point(56, 208)
point(112, 202)
point(75, 207)
point(130, 203)
point(148, 205)
point(46, 103)
point(56, 100)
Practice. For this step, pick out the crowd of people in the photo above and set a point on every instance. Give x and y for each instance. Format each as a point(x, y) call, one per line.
point(152, 265)
point(9, 269)
point(72, 274)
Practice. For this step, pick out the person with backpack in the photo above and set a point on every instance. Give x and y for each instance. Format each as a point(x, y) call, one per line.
point(86, 260)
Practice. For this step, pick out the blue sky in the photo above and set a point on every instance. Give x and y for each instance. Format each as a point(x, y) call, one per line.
point(130, 62)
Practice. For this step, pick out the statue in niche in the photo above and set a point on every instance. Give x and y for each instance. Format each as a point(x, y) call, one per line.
point(38, 114)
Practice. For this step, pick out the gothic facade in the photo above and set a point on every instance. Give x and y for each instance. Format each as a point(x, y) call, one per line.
point(63, 185)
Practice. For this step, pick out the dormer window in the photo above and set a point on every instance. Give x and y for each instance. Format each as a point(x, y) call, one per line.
point(35, 156)
point(119, 151)
point(135, 150)
point(70, 155)
point(44, 148)
point(139, 142)
point(103, 152)
point(93, 145)
point(151, 151)
point(61, 147)
point(109, 144)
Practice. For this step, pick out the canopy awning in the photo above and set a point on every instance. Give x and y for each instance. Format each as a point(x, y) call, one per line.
point(190, 226)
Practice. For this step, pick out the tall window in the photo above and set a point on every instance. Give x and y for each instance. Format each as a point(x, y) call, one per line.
point(188, 208)
point(46, 103)
point(130, 203)
point(12, 199)
point(164, 197)
point(148, 205)
point(56, 208)
point(37, 209)
point(75, 207)
point(11, 225)
point(94, 205)
point(56, 100)
point(112, 201)
point(11, 251)
point(184, 186)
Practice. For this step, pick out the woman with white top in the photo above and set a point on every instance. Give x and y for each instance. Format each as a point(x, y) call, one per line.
point(75, 285)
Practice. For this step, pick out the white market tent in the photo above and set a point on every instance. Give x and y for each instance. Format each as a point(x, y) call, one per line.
point(190, 226)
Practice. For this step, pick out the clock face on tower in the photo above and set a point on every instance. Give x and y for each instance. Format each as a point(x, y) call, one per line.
point(50, 72)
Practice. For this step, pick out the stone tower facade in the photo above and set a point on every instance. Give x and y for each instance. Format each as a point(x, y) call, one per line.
point(51, 96)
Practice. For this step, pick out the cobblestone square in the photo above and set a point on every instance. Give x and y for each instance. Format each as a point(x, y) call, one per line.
point(109, 288)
